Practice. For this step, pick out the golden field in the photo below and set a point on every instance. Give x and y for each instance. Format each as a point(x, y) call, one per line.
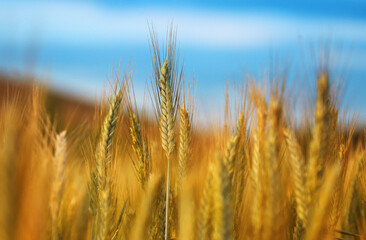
point(71, 170)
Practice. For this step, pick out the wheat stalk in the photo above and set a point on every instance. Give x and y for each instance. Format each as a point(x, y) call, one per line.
point(186, 212)
point(142, 220)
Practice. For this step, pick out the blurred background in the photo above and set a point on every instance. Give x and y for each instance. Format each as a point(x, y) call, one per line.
point(76, 46)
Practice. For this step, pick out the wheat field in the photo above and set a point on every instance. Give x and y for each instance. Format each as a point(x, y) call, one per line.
point(265, 171)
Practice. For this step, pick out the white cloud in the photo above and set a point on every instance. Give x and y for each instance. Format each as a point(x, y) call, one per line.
point(73, 23)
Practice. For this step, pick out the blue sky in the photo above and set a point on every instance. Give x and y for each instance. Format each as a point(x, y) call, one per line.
point(76, 44)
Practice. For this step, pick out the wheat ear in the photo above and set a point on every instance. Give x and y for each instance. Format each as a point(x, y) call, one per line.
point(167, 111)
point(222, 202)
point(184, 142)
point(271, 168)
point(317, 225)
point(204, 219)
point(166, 130)
point(233, 148)
point(301, 195)
point(231, 165)
point(156, 231)
point(256, 173)
point(318, 145)
point(140, 147)
point(100, 195)
point(58, 182)
point(350, 189)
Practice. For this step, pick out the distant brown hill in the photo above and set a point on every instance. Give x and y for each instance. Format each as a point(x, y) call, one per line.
point(68, 110)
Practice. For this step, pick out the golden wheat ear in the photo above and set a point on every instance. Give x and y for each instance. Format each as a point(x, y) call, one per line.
point(100, 186)
point(184, 142)
point(103, 151)
point(138, 138)
point(166, 89)
point(140, 147)
point(58, 182)
point(298, 176)
point(222, 202)
point(232, 149)
point(256, 181)
point(257, 161)
point(157, 229)
point(231, 164)
point(320, 132)
point(319, 217)
point(166, 129)
point(205, 213)
point(167, 112)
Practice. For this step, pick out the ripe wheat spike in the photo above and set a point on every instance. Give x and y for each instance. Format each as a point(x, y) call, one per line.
point(58, 182)
point(298, 176)
point(139, 145)
point(100, 182)
point(184, 142)
point(166, 130)
point(318, 145)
